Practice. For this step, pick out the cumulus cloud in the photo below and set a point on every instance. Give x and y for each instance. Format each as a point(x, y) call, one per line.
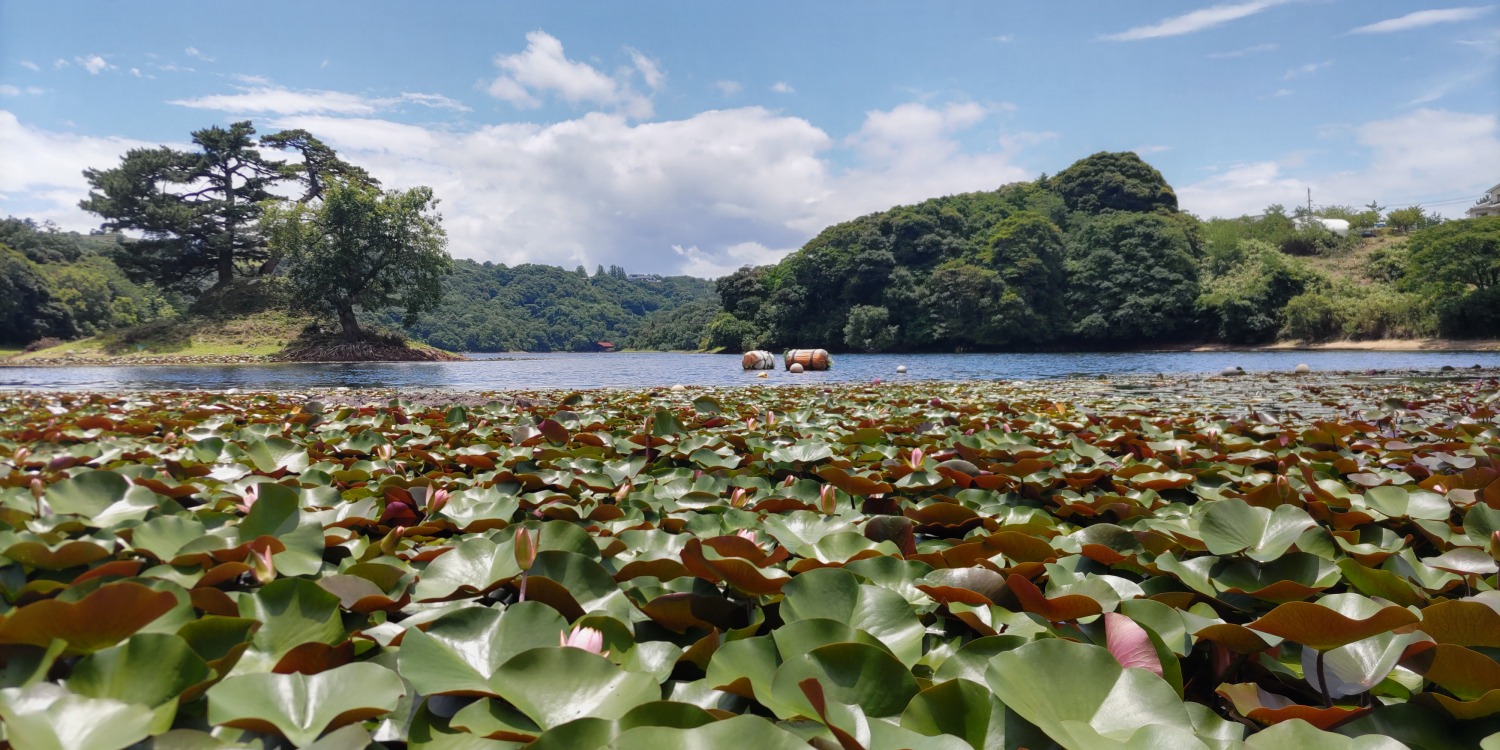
point(782, 87)
point(1422, 18)
point(277, 100)
point(94, 64)
point(1425, 153)
point(42, 172)
point(544, 69)
point(1198, 20)
point(703, 195)
point(728, 88)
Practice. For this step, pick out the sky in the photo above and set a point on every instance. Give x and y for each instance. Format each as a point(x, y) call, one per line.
point(671, 137)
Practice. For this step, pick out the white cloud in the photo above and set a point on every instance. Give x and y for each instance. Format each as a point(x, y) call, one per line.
point(725, 187)
point(94, 64)
point(782, 87)
point(1004, 38)
point(9, 90)
point(1252, 50)
point(29, 65)
point(1308, 69)
point(135, 72)
point(276, 100)
point(42, 172)
point(543, 68)
point(650, 71)
point(1152, 149)
point(193, 52)
point(59, 63)
point(1283, 92)
point(1425, 153)
point(728, 88)
point(1197, 20)
point(1423, 18)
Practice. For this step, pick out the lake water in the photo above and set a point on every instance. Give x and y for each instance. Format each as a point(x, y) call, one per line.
point(540, 371)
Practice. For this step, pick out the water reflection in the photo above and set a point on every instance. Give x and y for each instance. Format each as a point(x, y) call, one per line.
point(534, 371)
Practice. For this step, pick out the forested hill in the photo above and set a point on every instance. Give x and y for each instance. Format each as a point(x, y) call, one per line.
point(1099, 257)
point(489, 308)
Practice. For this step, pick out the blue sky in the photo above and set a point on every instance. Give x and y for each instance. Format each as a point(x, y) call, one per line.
point(675, 137)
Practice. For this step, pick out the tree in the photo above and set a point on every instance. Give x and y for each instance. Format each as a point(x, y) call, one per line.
point(868, 329)
point(1403, 219)
point(320, 163)
point(198, 211)
point(1114, 182)
point(361, 248)
point(1131, 277)
point(1246, 301)
point(28, 310)
point(1458, 254)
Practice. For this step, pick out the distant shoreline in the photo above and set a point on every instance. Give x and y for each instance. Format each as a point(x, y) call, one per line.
point(1374, 345)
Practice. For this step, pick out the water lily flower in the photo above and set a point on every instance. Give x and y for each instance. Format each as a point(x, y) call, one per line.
point(750, 424)
point(737, 499)
point(252, 494)
point(916, 459)
point(747, 535)
point(586, 639)
point(385, 451)
point(623, 491)
point(789, 481)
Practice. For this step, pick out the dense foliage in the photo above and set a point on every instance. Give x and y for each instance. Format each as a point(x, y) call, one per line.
point(64, 285)
point(490, 307)
point(1096, 255)
point(934, 567)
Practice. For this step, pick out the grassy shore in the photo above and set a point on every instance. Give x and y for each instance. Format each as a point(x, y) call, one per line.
point(265, 336)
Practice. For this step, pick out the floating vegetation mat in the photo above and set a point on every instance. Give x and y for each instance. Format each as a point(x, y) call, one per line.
point(1254, 562)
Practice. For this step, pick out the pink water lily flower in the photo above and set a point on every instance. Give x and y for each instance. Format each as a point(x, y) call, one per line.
point(827, 501)
point(252, 494)
point(737, 499)
point(916, 459)
point(587, 639)
point(747, 535)
point(436, 500)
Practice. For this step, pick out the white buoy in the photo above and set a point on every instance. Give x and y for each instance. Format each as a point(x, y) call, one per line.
point(679, 387)
point(1232, 371)
point(901, 369)
point(796, 367)
point(764, 375)
point(1303, 369)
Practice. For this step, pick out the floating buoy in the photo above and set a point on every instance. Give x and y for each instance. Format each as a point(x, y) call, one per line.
point(679, 387)
point(796, 367)
point(764, 375)
point(810, 359)
point(1303, 369)
point(1233, 371)
point(758, 359)
point(901, 369)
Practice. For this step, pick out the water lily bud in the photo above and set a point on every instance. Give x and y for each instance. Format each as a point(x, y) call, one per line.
point(37, 488)
point(827, 501)
point(20, 456)
point(623, 491)
point(261, 564)
point(525, 549)
point(747, 535)
point(916, 459)
point(586, 639)
point(436, 500)
point(389, 543)
point(789, 481)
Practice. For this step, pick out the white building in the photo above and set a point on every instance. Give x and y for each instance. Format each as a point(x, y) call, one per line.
point(1488, 205)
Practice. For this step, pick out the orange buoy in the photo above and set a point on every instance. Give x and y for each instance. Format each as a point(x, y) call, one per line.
point(810, 359)
point(758, 359)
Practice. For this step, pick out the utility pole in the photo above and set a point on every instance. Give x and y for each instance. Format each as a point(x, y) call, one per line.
point(1309, 202)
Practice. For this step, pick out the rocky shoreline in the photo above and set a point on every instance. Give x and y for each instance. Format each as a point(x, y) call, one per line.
point(333, 353)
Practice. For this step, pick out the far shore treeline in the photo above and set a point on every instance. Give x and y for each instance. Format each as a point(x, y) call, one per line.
point(1098, 256)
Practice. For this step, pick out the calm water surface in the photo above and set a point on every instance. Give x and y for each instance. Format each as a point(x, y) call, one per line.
point(538, 371)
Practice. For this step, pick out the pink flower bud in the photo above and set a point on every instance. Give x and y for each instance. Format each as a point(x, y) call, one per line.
point(261, 564)
point(827, 500)
point(436, 500)
point(747, 535)
point(916, 459)
point(737, 499)
point(586, 639)
point(525, 549)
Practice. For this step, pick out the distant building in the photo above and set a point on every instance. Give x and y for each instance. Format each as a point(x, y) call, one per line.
point(604, 346)
point(1488, 205)
point(643, 277)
